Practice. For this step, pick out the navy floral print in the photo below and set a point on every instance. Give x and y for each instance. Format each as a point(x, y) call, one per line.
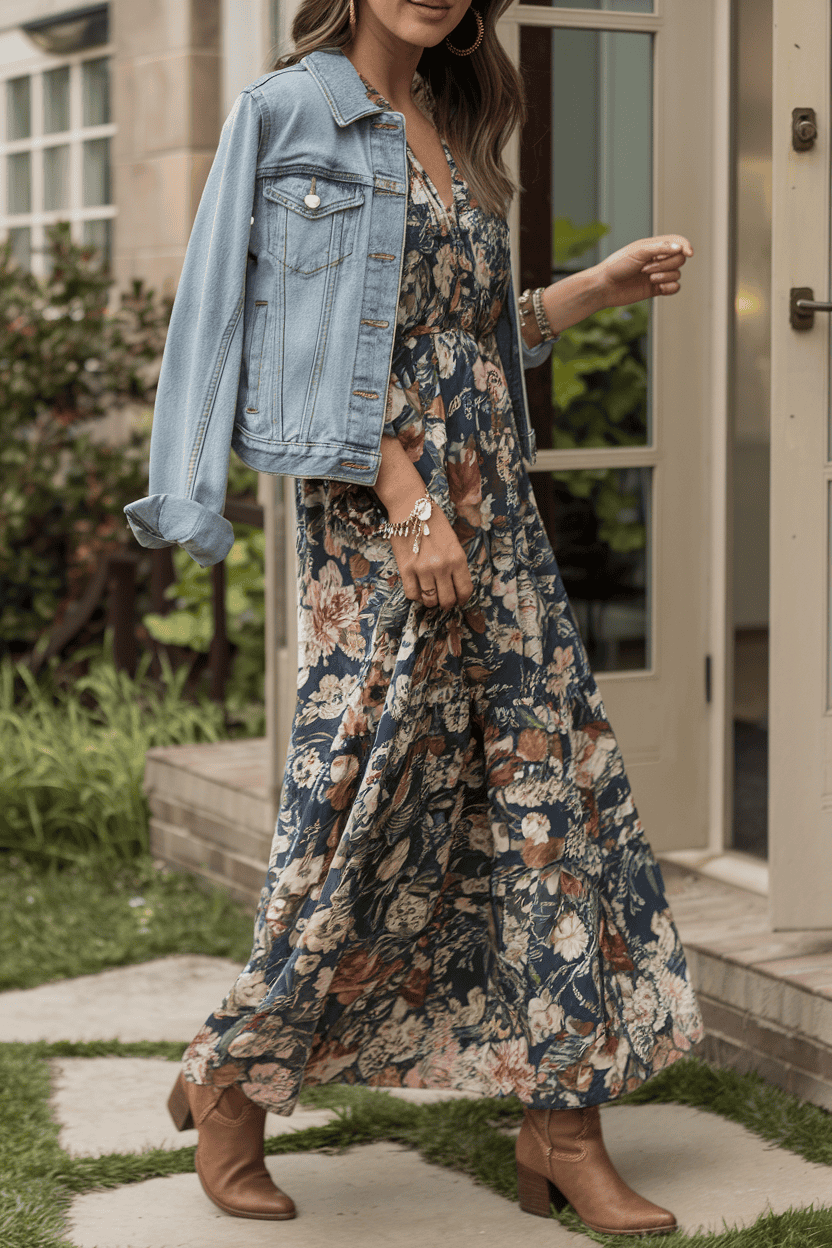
point(460, 893)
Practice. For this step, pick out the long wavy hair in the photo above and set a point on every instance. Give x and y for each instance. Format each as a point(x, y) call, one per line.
point(479, 98)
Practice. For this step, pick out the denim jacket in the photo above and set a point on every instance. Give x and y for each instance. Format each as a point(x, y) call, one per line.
point(281, 336)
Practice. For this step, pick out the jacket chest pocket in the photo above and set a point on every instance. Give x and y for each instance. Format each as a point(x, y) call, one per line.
point(312, 220)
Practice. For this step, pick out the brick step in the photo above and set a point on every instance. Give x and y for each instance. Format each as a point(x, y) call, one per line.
point(240, 876)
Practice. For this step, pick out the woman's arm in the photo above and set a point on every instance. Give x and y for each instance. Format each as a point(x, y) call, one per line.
point(650, 266)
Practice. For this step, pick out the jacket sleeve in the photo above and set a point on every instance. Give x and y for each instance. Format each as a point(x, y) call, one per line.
point(196, 397)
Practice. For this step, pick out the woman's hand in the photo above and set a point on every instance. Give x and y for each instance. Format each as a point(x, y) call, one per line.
point(650, 266)
point(438, 575)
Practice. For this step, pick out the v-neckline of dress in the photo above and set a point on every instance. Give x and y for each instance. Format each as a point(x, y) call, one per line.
point(449, 211)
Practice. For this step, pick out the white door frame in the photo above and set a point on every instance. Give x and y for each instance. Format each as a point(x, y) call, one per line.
point(800, 719)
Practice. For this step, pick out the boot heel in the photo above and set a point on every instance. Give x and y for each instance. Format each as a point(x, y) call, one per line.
point(536, 1193)
point(178, 1107)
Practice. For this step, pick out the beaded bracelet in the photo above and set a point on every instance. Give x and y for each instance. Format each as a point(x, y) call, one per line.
point(532, 300)
point(417, 520)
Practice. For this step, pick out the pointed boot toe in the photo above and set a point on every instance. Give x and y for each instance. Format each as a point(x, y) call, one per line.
point(230, 1157)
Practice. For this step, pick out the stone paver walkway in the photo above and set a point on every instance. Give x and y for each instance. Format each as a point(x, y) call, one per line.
point(711, 1172)
point(166, 999)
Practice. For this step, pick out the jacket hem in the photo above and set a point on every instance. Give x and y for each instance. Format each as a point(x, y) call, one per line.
point(336, 461)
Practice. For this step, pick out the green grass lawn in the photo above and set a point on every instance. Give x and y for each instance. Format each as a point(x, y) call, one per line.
point(58, 923)
point(39, 1179)
point(55, 924)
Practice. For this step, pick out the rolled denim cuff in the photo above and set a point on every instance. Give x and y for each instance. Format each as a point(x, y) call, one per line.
point(165, 520)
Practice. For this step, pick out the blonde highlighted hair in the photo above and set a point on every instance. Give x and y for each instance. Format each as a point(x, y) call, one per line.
point(479, 98)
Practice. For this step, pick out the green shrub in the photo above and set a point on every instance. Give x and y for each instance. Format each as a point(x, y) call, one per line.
point(191, 623)
point(66, 359)
point(72, 761)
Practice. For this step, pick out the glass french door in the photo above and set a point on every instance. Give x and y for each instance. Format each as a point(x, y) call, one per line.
point(800, 681)
point(613, 151)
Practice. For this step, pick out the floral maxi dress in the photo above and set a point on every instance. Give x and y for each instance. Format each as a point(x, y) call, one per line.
point(460, 894)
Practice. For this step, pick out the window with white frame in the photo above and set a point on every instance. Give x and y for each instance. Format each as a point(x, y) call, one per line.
point(55, 134)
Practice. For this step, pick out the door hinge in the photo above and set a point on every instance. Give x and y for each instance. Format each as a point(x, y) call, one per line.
point(707, 678)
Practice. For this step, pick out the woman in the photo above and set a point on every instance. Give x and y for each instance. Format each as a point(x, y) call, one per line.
point(460, 893)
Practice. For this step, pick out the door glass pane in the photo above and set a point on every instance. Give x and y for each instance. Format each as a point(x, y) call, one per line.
point(19, 182)
point(56, 177)
point(586, 169)
point(56, 100)
point(749, 413)
point(96, 172)
point(611, 6)
point(18, 108)
point(21, 240)
point(598, 522)
point(95, 92)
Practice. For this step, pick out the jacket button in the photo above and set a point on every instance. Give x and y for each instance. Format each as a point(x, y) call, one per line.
point(312, 201)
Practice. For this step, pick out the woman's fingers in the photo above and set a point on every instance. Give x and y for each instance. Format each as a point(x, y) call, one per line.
point(665, 275)
point(447, 589)
point(410, 585)
point(663, 279)
point(446, 592)
point(463, 584)
point(671, 251)
point(663, 264)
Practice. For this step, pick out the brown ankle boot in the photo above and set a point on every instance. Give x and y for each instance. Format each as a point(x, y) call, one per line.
point(561, 1159)
point(229, 1156)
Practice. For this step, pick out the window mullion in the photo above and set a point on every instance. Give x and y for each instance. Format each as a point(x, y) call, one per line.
point(38, 233)
point(75, 149)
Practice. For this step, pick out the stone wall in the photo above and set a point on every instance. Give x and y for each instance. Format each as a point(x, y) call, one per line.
point(166, 101)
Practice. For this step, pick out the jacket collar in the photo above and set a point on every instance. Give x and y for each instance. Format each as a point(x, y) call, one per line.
point(342, 88)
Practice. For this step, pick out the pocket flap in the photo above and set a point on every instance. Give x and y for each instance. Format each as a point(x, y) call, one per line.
point(293, 189)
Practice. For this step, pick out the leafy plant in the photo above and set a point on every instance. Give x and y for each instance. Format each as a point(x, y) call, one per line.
point(571, 241)
point(71, 761)
point(191, 623)
point(67, 358)
point(599, 393)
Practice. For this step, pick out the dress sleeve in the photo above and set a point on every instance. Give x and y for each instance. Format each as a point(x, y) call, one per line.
point(196, 397)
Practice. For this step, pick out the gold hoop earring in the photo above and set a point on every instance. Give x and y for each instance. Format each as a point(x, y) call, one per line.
point(353, 18)
point(467, 51)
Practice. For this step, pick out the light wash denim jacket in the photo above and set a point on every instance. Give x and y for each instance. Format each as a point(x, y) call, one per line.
point(282, 330)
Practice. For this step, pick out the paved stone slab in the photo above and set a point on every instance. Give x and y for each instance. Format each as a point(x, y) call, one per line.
point(377, 1196)
point(709, 1171)
point(119, 1105)
point(167, 999)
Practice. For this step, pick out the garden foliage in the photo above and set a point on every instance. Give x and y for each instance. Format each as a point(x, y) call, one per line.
point(67, 358)
point(71, 761)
